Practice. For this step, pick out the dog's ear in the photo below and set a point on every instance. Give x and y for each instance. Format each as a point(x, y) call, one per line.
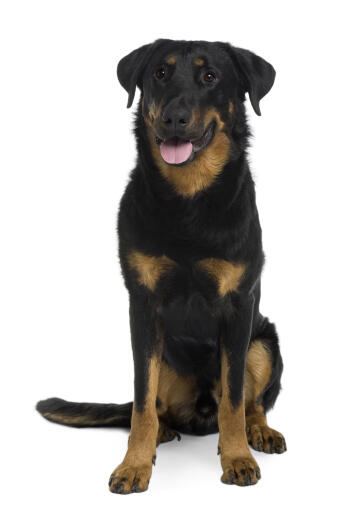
point(130, 68)
point(256, 74)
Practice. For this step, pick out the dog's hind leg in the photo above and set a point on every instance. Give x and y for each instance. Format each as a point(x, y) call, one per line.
point(262, 385)
point(166, 434)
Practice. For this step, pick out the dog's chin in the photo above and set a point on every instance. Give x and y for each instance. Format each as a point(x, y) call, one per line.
point(178, 152)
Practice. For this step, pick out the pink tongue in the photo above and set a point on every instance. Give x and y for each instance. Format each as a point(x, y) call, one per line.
point(176, 150)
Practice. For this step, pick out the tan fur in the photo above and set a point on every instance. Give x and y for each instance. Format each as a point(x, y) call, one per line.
point(199, 62)
point(137, 463)
point(77, 420)
point(194, 119)
point(217, 391)
point(154, 111)
point(257, 376)
point(231, 421)
point(165, 434)
point(213, 115)
point(199, 174)
point(151, 113)
point(231, 107)
point(257, 373)
point(204, 169)
point(149, 269)
point(171, 61)
point(226, 274)
point(233, 445)
point(177, 394)
point(144, 425)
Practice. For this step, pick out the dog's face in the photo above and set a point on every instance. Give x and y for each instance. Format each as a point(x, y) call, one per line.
point(190, 91)
point(186, 94)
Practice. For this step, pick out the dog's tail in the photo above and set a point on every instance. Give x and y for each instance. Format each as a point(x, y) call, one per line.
point(85, 415)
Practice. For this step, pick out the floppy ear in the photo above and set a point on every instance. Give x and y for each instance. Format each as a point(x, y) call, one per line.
point(256, 73)
point(130, 68)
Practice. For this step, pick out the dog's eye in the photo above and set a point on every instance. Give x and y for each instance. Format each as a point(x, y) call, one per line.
point(160, 73)
point(209, 77)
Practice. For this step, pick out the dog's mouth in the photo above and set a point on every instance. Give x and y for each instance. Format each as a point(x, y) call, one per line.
point(179, 151)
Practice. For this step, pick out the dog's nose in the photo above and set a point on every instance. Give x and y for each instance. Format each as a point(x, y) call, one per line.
point(178, 118)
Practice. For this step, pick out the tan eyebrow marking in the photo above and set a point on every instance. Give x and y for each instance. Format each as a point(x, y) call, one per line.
point(199, 62)
point(171, 61)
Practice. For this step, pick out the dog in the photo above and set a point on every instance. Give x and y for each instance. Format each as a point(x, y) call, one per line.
point(190, 246)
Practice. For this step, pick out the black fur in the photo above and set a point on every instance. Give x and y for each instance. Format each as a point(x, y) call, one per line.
point(220, 221)
point(90, 414)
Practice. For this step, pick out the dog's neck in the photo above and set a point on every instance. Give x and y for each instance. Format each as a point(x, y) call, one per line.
point(203, 220)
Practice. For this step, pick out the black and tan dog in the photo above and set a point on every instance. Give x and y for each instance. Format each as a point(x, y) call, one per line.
point(191, 253)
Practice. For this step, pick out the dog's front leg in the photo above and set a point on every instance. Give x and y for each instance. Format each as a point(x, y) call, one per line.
point(133, 474)
point(239, 466)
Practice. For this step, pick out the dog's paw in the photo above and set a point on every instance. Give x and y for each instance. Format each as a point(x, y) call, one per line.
point(130, 479)
point(265, 439)
point(166, 434)
point(240, 471)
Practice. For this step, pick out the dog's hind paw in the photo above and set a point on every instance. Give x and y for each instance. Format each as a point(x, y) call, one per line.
point(166, 434)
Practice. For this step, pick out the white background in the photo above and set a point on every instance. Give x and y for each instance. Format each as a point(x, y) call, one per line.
point(66, 151)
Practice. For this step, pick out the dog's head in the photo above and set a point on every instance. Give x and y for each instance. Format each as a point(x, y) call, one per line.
point(191, 92)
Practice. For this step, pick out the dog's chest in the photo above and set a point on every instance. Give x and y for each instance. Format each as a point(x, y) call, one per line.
point(159, 272)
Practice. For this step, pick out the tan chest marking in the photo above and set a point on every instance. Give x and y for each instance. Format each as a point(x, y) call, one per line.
point(149, 269)
point(227, 275)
